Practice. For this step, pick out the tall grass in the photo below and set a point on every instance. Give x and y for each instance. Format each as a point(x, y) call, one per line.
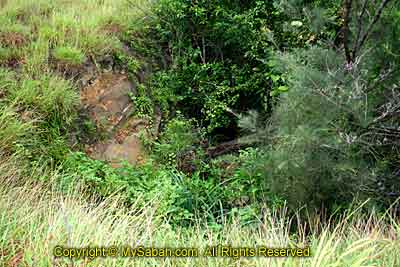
point(11, 130)
point(34, 219)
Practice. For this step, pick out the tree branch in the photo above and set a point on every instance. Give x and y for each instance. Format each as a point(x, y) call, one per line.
point(346, 30)
point(227, 147)
point(359, 27)
point(372, 24)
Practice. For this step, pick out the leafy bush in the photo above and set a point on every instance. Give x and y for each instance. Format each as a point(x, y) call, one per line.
point(218, 52)
point(178, 137)
point(135, 184)
point(130, 63)
point(142, 102)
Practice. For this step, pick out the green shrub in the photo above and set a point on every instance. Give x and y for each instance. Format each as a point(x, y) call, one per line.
point(218, 52)
point(130, 63)
point(179, 136)
point(143, 104)
point(317, 154)
point(308, 164)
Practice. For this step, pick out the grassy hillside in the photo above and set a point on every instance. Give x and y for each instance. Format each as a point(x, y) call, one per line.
point(188, 192)
point(45, 47)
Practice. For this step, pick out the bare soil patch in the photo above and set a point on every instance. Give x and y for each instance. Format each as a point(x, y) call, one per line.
point(109, 105)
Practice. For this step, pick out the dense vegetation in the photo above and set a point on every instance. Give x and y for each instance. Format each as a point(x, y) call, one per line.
point(278, 78)
point(269, 110)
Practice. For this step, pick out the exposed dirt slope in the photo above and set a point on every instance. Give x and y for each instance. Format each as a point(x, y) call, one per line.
point(109, 105)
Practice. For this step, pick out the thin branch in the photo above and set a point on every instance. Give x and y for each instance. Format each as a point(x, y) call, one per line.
point(385, 116)
point(372, 24)
point(204, 49)
point(382, 77)
point(359, 26)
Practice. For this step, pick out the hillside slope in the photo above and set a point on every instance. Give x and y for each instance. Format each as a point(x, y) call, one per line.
point(89, 158)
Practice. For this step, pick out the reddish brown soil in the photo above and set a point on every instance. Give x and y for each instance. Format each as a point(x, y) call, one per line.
point(109, 105)
point(12, 39)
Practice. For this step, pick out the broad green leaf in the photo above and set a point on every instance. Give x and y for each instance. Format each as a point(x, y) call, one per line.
point(283, 88)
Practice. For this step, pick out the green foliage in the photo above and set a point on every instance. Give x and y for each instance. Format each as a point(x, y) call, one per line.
point(219, 52)
point(136, 185)
point(223, 62)
point(181, 198)
point(130, 63)
point(69, 55)
point(325, 143)
point(308, 163)
point(103, 180)
point(50, 95)
point(46, 108)
point(248, 176)
point(311, 21)
point(12, 130)
point(143, 104)
point(179, 136)
point(161, 91)
point(324, 133)
point(318, 153)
